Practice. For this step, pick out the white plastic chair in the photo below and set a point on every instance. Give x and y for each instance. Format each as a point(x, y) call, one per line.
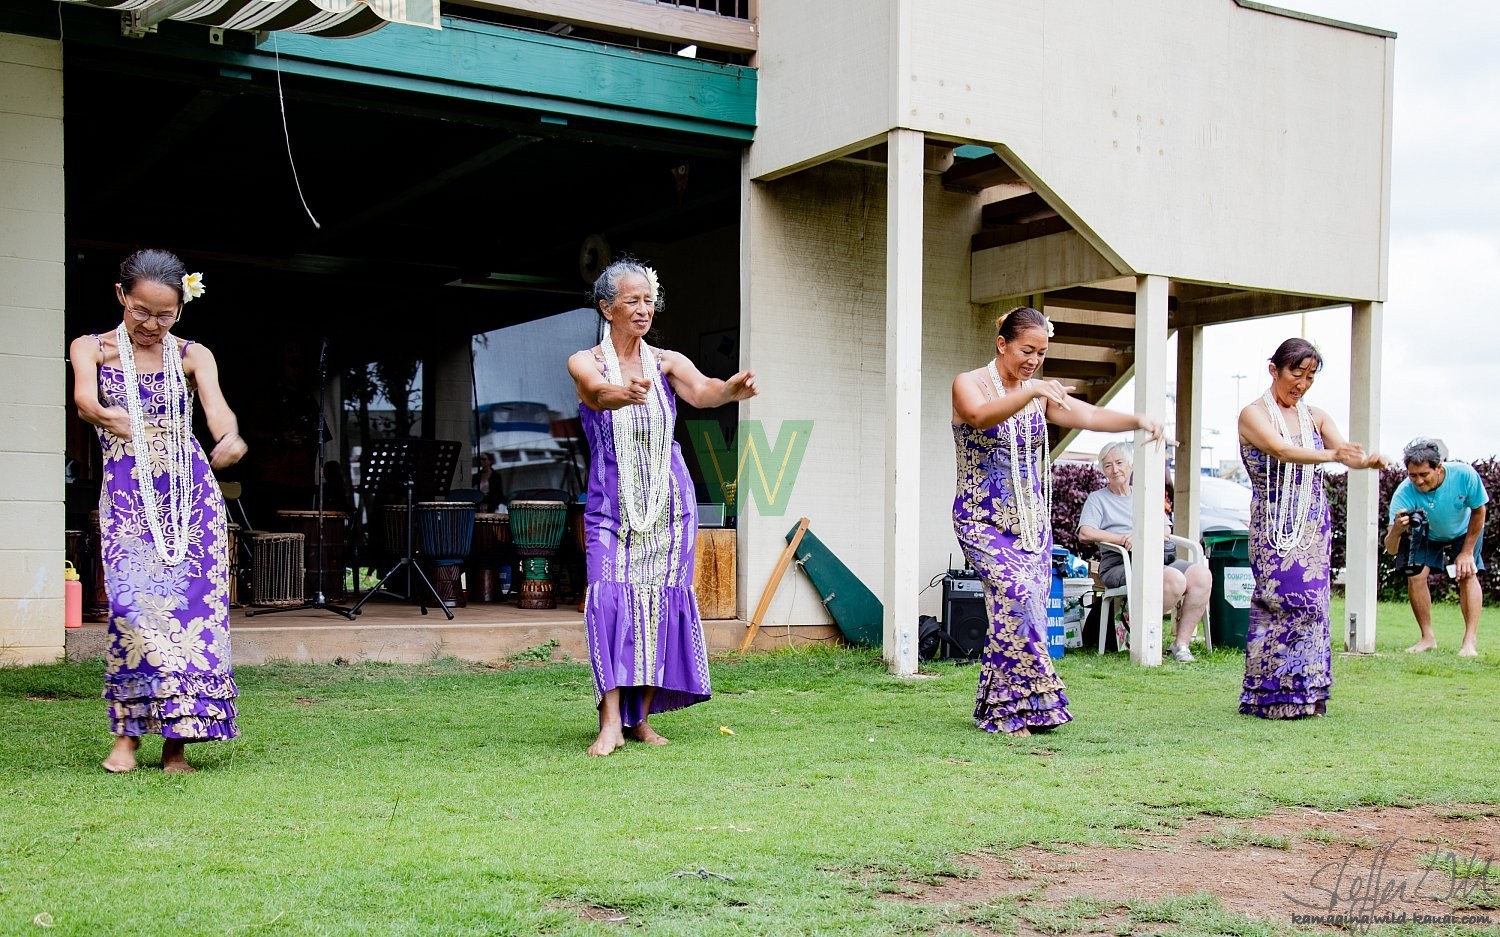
point(1189, 550)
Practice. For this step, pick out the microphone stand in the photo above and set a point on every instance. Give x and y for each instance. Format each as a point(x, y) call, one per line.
point(317, 600)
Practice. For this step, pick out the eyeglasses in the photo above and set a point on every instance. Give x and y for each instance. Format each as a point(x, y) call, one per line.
point(163, 319)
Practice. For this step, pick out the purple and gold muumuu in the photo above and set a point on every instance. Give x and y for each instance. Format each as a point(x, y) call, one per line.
point(1018, 687)
point(640, 611)
point(1288, 651)
point(167, 667)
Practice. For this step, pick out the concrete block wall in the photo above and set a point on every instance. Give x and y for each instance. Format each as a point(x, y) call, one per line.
point(32, 387)
point(816, 269)
point(957, 335)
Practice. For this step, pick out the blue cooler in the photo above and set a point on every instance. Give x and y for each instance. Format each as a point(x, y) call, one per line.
point(1055, 645)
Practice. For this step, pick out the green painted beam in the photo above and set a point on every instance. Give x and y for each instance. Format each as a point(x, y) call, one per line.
point(555, 78)
point(534, 71)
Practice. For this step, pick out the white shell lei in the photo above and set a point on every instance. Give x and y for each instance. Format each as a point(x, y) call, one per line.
point(1291, 516)
point(169, 534)
point(644, 483)
point(1031, 507)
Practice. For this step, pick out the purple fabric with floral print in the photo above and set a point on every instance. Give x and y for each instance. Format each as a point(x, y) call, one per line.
point(1018, 688)
point(167, 661)
point(641, 613)
point(1288, 654)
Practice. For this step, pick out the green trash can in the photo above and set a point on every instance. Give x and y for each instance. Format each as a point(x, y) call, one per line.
point(1234, 583)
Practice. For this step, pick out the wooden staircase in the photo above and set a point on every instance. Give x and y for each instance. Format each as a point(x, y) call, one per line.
point(1093, 348)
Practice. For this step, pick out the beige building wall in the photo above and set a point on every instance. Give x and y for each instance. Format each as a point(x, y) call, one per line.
point(815, 336)
point(31, 361)
point(1198, 139)
point(823, 82)
point(1195, 139)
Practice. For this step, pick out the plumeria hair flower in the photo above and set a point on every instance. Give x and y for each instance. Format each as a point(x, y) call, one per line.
point(192, 286)
point(654, 284)
point(1051, 329)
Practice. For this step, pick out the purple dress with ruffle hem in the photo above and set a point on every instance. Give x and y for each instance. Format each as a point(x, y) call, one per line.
point(1288, 647)
point(167, 667)
point(640, 612)
point(1018, 687)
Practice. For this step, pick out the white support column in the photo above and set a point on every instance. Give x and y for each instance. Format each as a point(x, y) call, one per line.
point(34, 407)
point(1363, 515)
point(1148, 520)
point(903, 398)
point(1186, 511)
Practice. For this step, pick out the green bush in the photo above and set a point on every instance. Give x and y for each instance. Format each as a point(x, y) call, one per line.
point(1071, 484)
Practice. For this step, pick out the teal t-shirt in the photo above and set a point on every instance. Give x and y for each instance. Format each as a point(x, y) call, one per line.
point(1448, 505)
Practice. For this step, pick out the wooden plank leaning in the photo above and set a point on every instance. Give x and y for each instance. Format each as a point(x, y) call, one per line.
point(771, 584)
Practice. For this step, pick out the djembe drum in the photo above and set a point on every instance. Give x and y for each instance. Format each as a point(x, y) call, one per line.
point(331, 562)
point(536, 528)
point(491, 537)
point(97, 606)
point(393, 530)
point(446, 529)
point(277, 575)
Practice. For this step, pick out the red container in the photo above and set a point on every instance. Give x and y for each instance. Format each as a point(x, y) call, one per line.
point(72, 598)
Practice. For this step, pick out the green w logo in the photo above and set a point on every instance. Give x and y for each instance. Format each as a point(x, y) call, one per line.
point(768, 471)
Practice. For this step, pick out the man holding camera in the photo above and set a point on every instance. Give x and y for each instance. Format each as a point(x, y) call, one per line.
point(1437, 523)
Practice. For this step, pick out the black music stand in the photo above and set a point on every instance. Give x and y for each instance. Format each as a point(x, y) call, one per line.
point(423, 468)
point(317, 600)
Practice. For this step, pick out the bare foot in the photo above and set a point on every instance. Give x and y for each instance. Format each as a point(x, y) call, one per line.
point(1425, 644)
point(1020, 733)
point(610, 738)
point(173, 757)
point(644, 733)
point(122, 757)
point(1468, 650)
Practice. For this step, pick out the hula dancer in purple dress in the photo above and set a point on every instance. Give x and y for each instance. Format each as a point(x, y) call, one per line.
point(641, 616)
point(161, 518)
point(1002, 514)
point(1288, 653)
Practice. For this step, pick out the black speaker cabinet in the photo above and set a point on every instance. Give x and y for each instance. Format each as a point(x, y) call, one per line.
point(964, 619)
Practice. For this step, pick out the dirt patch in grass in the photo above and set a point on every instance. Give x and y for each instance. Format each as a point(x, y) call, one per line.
point(602, 915)
point(1429, 861)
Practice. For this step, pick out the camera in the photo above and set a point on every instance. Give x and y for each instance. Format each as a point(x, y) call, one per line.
point(1416, 532)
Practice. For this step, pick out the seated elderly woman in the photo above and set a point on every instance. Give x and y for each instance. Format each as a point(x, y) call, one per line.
point(1106, 518)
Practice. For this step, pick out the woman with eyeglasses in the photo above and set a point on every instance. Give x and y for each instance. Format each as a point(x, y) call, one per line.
point(161, 516)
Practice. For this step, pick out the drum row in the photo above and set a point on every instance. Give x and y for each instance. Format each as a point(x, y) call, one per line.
point(452, 535)
point(286, 567)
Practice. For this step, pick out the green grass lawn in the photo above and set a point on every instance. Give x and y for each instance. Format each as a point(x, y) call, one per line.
point(456, 799)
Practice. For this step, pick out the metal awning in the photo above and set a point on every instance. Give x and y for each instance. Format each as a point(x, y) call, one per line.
point(329, 18)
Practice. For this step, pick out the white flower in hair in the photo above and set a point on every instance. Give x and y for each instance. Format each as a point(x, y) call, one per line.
point(654, 284)
point(1051, 330)
point(192, 286)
